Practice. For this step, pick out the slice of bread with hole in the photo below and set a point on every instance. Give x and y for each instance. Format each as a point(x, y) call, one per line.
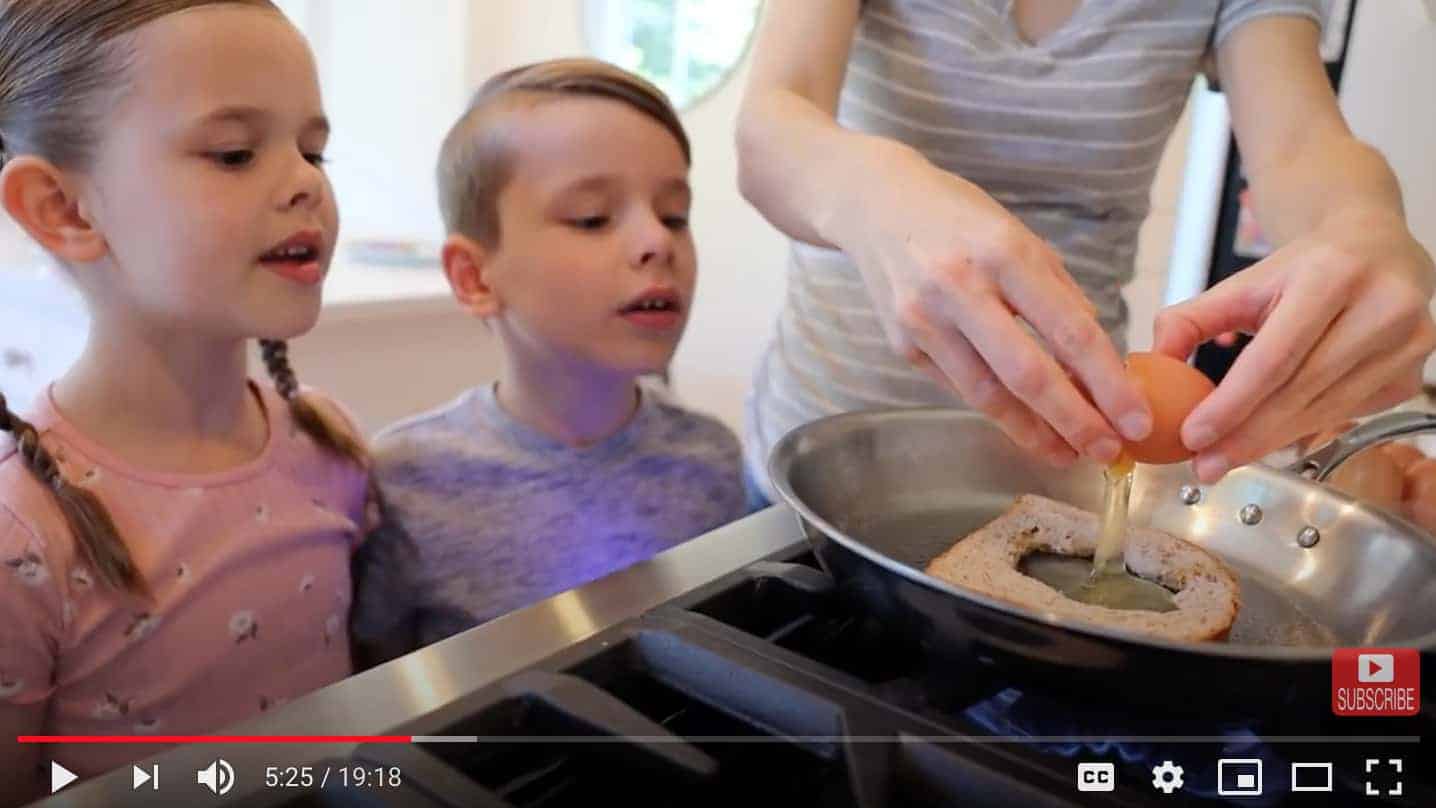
point(1207, 596)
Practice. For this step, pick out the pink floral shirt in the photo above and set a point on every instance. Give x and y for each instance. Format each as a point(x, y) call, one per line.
point(249, 570)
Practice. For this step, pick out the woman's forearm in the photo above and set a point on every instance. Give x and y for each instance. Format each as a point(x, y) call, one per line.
point(1330, 174)
point(810, 177)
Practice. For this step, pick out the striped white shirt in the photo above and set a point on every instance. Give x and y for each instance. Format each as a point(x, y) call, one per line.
point(1066, 133)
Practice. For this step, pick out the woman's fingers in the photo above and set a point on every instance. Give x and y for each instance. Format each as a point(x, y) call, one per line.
point(1030, 374)
point(1288, 319)
point(1235, 304)
point(1079, 344)
point(1382, 380)
point(954, 362)
point(950, 361)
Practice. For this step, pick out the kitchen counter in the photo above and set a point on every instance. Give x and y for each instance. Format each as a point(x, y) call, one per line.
point(380, 699)
point(357, 289)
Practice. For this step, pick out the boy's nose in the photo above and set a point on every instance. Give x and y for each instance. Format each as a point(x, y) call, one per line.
point(660, 257)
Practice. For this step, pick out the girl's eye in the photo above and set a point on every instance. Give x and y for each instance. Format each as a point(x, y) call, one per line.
point(234, 158)
point(590, 222)
point(675, 222)
point(316, 159)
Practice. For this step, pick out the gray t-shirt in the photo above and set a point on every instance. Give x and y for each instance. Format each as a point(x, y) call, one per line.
point(499, 516)
point(1065, 133)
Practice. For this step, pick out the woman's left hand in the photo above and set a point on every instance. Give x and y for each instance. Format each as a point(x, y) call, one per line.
point(1342, 327)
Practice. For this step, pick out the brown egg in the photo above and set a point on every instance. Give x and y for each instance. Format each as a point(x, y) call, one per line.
point(1173, 389)
point(1370, 476)
point(1421, 481)
point(1419, 494)
point(1404, 454)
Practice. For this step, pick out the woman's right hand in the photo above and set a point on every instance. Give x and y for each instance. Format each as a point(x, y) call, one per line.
point(950, 272)
point(949, 269)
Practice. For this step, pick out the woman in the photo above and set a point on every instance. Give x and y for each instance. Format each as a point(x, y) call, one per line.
point(964, 181)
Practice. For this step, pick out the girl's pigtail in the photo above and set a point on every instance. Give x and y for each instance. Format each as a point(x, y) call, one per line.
point(325, 429)
point(96, 536)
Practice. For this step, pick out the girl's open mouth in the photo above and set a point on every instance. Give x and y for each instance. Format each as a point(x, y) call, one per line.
point(297, 258)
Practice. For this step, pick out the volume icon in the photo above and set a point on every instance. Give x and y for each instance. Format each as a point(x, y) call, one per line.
point(218, 776)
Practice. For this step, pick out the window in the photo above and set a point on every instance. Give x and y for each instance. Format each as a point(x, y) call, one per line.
point(686, 47)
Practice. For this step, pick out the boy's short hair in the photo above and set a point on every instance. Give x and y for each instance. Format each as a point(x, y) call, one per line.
point(476, 159)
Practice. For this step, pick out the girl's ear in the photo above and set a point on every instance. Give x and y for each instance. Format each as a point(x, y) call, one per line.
point(466, 265)
point(42, 200)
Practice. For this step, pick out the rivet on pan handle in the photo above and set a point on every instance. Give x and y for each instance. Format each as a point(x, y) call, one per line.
point(1323, 461)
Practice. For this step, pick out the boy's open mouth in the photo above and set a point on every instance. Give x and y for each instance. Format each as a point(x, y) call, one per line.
point(657, 309)
point(652, 305)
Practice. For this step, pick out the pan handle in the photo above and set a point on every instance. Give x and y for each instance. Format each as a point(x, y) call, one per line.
point(1319, 464)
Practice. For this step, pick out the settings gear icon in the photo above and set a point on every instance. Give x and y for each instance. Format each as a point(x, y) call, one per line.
point(1167, 777)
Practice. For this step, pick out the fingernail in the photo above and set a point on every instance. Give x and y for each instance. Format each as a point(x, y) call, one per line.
point(1201, 436)
point(1211, 468)
point(1136, 425)
point(1104, 450)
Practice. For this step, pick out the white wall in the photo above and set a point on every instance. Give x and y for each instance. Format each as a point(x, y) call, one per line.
point(394, 81)
point(1387, 96)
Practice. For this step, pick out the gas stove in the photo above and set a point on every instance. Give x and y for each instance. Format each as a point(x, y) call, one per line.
point(767, 684)
point(767, 687)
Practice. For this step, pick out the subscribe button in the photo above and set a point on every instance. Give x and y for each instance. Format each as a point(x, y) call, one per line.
point(1376, 681)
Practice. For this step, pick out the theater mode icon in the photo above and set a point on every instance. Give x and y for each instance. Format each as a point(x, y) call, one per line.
point(1311, 777)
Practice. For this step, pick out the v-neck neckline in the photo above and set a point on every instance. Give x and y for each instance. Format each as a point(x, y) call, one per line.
point(1062, 31)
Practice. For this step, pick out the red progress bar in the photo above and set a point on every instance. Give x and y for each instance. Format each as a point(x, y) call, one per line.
point(191, 739)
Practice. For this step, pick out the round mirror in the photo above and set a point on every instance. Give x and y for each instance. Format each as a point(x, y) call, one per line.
point(686, 47)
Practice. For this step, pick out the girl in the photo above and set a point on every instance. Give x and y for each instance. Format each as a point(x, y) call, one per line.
point(174, 538)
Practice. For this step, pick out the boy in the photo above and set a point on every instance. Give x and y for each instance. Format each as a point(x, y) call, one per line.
point(564, 192)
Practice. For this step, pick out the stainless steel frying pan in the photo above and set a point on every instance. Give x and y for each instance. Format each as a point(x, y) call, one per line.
point(879, 494)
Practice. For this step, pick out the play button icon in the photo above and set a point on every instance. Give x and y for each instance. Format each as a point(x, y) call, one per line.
point(60, 777)
point(1376, 668)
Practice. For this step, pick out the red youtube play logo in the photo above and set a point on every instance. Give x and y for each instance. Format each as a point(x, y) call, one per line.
point(1376, 681)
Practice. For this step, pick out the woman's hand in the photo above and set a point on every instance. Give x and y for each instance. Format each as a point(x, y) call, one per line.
point(951, 272)
point(1342, 327)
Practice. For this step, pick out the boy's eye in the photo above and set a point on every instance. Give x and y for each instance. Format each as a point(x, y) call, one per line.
point(315, 158)
point(589, 222)
point(675, 222)
point(234, 158)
